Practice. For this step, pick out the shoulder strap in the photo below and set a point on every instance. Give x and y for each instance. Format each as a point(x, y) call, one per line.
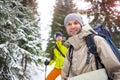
point(93, 49)
point(70, 55)
point(60, 51)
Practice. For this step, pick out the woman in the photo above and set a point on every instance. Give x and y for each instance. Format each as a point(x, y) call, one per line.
point(59, 53)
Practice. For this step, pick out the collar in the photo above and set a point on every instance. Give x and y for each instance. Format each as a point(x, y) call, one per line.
point(78, 40)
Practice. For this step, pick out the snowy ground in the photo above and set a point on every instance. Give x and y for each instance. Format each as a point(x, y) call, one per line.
point(38, 72)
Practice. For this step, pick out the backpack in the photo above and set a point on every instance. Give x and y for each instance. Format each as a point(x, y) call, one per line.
point(103, 32)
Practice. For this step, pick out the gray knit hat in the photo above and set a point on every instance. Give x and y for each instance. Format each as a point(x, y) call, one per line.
point(73, 16)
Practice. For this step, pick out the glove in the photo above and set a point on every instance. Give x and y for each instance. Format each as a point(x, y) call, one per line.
point(46, 62)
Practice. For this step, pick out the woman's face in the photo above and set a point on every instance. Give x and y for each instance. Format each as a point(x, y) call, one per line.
point(73, 27)
point(59, 38)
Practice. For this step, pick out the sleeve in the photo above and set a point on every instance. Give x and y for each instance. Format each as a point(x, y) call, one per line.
point(108, 58)
point(52, 57)
point(66, 43)
point(51, 62)
point(65, 68)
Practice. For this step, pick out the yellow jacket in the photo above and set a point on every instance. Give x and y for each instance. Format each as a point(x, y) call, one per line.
point(58, 58)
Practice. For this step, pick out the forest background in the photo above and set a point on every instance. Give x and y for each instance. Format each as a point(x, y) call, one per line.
point(20, 31)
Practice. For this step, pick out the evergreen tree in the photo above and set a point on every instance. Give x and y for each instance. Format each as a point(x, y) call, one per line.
point(105, 12)
point(19, 39)
point(62, 8)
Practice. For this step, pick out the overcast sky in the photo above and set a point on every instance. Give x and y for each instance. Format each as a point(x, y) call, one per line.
point(45, 10)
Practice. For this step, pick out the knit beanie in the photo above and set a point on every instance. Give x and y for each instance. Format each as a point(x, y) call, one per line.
point(57, 34)
point(73, 16)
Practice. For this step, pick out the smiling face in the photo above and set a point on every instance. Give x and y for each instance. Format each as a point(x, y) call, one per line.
point(59, 38)
point(73, 27)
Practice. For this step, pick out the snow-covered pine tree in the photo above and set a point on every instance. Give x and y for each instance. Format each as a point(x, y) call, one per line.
point(20, 42)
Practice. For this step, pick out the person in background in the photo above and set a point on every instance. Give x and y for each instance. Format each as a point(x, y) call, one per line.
point(59, 53)
point(77, 32)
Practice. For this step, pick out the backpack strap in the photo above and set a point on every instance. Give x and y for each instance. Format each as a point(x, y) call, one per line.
point(93, 49)
point(60, 51)
point(70, 55)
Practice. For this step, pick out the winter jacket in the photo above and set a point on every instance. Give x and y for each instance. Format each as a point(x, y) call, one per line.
point(79, 65)
point(58, 58)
